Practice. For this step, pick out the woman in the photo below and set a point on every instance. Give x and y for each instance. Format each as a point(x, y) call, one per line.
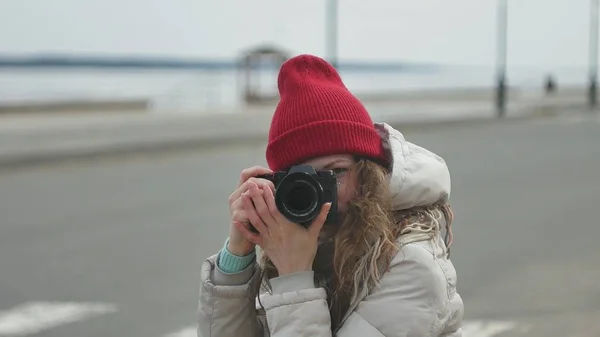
point(381, 270)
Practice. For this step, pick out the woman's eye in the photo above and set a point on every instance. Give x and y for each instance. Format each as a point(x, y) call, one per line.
point(340, 170)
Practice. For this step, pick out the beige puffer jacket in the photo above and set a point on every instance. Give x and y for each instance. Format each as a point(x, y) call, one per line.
point(416, 297)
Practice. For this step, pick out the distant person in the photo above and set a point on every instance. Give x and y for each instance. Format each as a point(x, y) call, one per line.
point(381, 269)
point(550, 85)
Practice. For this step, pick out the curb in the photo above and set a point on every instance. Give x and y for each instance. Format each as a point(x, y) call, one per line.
point(205, 142)
point(125, 150)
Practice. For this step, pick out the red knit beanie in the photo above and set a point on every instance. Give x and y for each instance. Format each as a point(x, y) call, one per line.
point(317, 116)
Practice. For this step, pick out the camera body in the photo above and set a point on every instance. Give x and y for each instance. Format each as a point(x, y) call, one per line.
point(301, 191)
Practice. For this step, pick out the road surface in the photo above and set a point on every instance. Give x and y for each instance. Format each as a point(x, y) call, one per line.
point(113, 247)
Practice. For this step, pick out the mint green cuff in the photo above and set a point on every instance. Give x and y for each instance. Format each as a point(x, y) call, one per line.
point(231, 264)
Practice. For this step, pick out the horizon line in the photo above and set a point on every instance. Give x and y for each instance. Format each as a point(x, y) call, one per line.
point(109, 61)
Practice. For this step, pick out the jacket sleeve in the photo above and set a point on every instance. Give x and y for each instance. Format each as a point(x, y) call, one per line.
point(296, 308)
point(412, 300)
point(226, 305)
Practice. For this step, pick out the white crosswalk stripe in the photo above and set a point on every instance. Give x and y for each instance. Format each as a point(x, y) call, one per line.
point(34, 317)
point(471, 328)
point(486, 328)
point(190, 331)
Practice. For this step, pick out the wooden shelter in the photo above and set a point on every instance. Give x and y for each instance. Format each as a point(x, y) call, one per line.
point(257, 62)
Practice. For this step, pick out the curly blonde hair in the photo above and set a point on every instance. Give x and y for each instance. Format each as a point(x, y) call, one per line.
point(351, 263)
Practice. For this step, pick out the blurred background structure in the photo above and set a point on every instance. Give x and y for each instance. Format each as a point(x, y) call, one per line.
point(179, 57)
point(124, 126)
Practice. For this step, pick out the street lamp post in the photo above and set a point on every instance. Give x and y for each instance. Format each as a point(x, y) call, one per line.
point(593, 67)
point(502, 27)
point(331, 40)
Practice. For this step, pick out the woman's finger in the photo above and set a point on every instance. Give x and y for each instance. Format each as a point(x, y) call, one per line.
point(272, 206)
point(239, 214)
point(253, 216)
point(247, 233)
point(253, 172)
point(237, 210)
point(315, 228)
point(261, 206)
point(246, 185)
point(263, 183)
point(238, 192)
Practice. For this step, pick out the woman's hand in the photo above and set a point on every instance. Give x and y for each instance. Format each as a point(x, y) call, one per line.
point(238, 244)
point(291, 247)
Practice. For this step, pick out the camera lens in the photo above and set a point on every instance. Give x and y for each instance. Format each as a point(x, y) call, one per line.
point(301, 197)
point(298, 197)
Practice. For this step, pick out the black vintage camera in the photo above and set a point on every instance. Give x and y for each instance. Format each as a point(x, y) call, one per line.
point(301, 191)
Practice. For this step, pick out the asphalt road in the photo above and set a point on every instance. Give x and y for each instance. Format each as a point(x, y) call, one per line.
point(122, 240)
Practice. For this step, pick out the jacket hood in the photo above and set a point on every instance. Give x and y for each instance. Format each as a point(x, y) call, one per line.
point(418, 177)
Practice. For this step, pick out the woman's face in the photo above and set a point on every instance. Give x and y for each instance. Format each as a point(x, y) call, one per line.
point(343, 166)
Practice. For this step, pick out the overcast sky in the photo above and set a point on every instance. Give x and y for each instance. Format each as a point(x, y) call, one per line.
point(542, 32)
